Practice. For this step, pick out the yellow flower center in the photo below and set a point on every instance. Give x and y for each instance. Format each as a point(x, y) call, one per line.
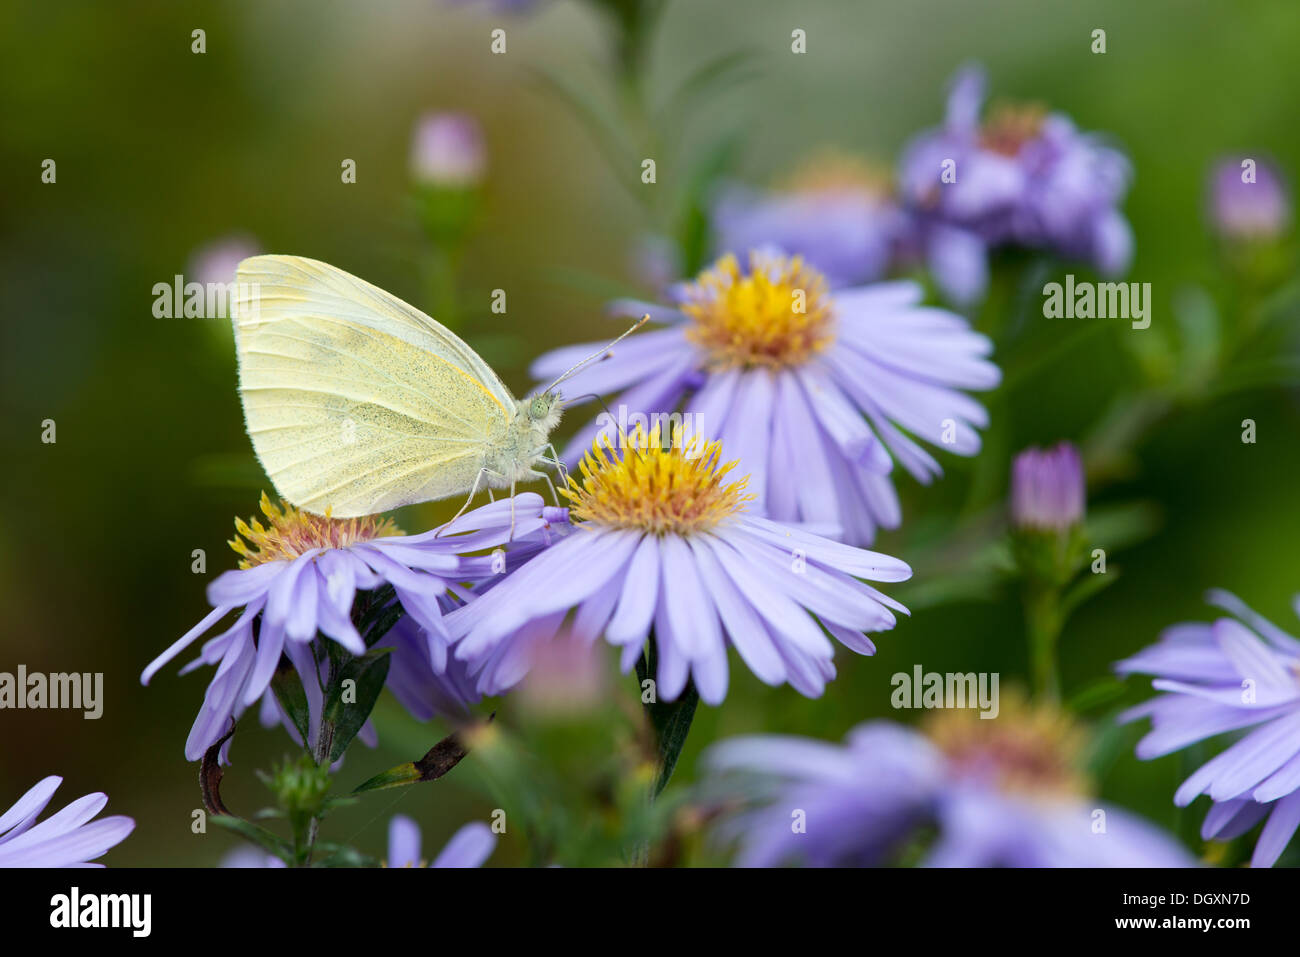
point(1011, 126)
point(1025, 748)
point(674, 490)
point(777, 314)
point(291, 532)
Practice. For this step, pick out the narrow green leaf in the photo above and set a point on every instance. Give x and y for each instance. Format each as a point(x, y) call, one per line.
point(1096, 693)
point(1085, 588)
point(671, 720)
point(255, 835)
point(439, 759)
point(331, 804)
point(287, 685)
point(340, 855)
point(726, 70)
point(361, 679)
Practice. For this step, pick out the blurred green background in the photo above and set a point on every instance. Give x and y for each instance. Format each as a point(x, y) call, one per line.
point(161, 151)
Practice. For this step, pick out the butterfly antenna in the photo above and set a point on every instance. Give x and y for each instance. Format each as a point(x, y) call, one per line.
point(627, 444)
point(600, 354)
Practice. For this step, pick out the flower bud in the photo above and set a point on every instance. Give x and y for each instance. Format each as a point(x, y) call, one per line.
point(448, 151)
point(1248, 200)
point(1047, 489)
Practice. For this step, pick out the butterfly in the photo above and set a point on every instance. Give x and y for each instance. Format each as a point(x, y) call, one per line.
point(357, 402)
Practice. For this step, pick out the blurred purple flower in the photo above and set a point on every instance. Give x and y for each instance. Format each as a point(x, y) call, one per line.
point(656, 261)
point(249, 857)
point(500, 6)
point(1023, 177)
point(447, 150)
point(997, 792)
point(956, 258)
point(217, 261)
point(842, 217)
point(1047, 488)
point(468, 847)
point(664, 543)
point(1249, 202)
point(1235, 674)
point(301, 579)
point(565, 679)
point(67, 838)
point(835, 212)
point(808, 387)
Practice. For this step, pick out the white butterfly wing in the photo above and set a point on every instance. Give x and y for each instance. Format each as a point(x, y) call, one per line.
point(355, 401)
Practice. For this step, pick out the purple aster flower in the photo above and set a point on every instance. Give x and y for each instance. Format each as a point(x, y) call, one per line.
point(1249, 200)
point(1000, 792)
point(447, 150)
point(817, 392)
point(1047, 489)
point(1239, 675)
point(250, 857)
point(300, 577)
point(500, 6)
point(663, 542)
point(835, 212)
point(468, 847)
point(656, 261)
point(67, 838)
point(1023, 176)
point(217, 261)
point(565, 680)
point(956, 258)
point(424, 677)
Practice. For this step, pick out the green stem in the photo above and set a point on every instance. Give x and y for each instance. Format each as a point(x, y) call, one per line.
point(1043, 623)
point(444, 300)
point(321, 755)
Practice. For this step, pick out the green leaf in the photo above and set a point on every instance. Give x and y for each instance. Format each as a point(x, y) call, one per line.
point(287, 685)
point(694, 229)
point(671, 720)
point(255, 835)
point(331, 804)
point(604, 130)
point(367, 674)
point(440, 759)
point(382, 622)
point(374, 607)
point(1096, 693)
point(340, 855)
point(726, 70)
point(1085, 588)
point(1114, 527)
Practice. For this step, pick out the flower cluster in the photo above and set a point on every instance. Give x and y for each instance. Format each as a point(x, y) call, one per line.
point(767, 359)
point(1020, 176)
point(727, 507)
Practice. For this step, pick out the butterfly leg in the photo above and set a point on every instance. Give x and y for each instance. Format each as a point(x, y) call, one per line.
point(561, 469)
point(555, 496)
point(512, 512)
point(472, 492)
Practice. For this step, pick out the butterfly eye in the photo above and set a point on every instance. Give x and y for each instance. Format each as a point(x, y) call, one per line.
point(539, 409)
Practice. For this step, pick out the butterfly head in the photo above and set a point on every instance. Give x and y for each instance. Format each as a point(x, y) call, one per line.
point(544, 410)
